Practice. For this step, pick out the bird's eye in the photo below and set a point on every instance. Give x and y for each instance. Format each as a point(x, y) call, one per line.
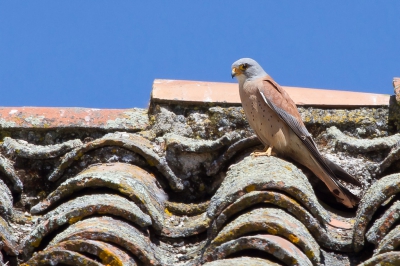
point(243, 67)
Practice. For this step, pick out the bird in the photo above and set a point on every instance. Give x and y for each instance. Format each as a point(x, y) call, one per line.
point(274, 117)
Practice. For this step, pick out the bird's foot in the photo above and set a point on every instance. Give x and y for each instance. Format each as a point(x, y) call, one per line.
point(266, 152)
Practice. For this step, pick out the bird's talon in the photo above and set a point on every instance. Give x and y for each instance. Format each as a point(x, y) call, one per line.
point(267, 152)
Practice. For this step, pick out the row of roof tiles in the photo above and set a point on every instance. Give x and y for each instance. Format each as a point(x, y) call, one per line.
point(176, 92)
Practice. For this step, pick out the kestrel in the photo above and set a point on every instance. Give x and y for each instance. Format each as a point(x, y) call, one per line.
point(274, 117)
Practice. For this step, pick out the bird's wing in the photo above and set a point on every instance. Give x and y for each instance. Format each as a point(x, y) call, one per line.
point(283, 105)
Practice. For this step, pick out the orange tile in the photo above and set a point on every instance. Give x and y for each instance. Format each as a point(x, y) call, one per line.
point(396, 87)
point(53, 117)
point(191, 92)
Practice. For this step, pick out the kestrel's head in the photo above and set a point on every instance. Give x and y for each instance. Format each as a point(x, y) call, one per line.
point(247, 68)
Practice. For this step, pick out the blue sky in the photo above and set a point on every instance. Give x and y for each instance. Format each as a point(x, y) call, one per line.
point(106, 54)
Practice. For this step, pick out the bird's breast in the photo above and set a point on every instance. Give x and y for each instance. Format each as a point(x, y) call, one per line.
point(271, 130)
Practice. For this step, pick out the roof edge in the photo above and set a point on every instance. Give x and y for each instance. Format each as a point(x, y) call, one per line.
point(194, 92)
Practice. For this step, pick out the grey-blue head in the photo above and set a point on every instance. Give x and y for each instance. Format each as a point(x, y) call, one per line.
point(247, 68)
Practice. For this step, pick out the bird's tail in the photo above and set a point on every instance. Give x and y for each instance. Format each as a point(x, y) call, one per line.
point(330, 178)
point(351, 197)
point(340, 173)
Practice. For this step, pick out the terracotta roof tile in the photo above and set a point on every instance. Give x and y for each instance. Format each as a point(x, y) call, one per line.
point(56, 117)
point(184, 91)
point(396, 87)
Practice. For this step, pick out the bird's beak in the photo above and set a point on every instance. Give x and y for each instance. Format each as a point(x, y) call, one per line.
point(235, 72)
